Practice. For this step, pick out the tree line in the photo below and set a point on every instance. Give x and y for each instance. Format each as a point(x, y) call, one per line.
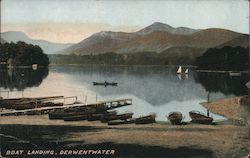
point(139, 58)
point(22, 54)
point(226, 58)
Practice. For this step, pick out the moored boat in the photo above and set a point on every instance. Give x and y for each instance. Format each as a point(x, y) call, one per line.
point(121, 122)
point(146, 119)
point(198, 117)
point(100, 116)
point(76, 117)
point(175, 118)
point(124, 116)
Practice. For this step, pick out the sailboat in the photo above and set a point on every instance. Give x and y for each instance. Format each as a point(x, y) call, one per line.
point(179, 71)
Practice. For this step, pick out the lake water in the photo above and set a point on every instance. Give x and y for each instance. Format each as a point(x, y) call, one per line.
point(152, 89)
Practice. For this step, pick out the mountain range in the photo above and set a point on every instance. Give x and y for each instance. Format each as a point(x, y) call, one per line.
point(158, 37)
point(48, 47)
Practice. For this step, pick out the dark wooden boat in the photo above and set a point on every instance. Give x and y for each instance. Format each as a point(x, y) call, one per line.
point(121, 122)
point(105, 83)
point(76, 117)
point(175, 118)
point(146, 119)
point(100, 116)
point(28, 103)
point(70, 113)
point(198, 117)
point(124, 116)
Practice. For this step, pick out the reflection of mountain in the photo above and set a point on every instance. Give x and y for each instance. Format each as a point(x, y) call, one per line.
point(217, 82)
point(155, 85)
point(22, 78)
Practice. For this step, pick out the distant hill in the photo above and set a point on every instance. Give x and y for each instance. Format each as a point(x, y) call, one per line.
point(48, 47)
point(157, 37)
point(242, 41)
point(99, 43)
point(157, 26)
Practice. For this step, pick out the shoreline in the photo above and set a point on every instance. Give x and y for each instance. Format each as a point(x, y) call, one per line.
point(231, 108)
point(218, 140)
point(161, 139)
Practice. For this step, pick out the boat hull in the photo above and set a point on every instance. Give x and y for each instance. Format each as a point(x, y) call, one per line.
point(175, 118)
point(145, 120)
point(117, 117)
point(200, 118)
point(105, 83)
point(121, 122)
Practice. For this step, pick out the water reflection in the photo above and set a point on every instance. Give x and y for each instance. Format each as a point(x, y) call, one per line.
point(21, 79)
point(222, 82)
point(153, 89)
point(155, 85)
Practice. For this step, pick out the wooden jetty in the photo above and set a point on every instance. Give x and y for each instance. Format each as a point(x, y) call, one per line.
point(30, 103)
point(71, 107)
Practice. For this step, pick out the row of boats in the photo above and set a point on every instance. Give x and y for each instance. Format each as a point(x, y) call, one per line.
point(176, 118)
point(109, 117)
point(114, 118)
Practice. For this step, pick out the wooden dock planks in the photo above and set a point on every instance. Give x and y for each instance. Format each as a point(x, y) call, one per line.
point(43, 110)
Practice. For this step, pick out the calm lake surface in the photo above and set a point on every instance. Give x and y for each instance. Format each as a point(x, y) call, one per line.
point(152, 89)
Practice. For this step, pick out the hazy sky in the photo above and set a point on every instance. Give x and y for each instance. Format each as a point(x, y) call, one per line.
point(73, 20)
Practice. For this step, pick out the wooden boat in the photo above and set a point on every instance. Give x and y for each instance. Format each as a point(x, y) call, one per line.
point(124, 116)
point(32, 105)
point(175, 118)
point(121, 122)
point(88, 116)
point(146, 119)
point(105, 83)
point(28, 103)
point(76, 117)
point(198, 117)
point(54, 115)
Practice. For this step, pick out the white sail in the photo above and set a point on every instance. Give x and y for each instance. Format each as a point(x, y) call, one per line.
point(186, 72)
point(179, 70)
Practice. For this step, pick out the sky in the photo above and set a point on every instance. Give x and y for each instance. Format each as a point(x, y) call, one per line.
point(67, 21)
